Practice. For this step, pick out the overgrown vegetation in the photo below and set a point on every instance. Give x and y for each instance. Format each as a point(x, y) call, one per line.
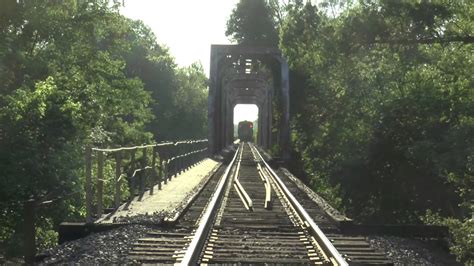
point(382, 103)
point(76, 73)
point(383, 107)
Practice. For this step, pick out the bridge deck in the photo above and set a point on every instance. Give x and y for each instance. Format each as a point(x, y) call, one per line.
point(169, 198)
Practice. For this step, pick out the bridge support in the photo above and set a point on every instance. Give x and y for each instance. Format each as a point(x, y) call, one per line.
point(235, 80)
point(285, 91)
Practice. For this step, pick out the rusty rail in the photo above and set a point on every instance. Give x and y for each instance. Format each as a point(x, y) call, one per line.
point(268, 188)
point(244, 196)
point(194, 249)
point(191, 255)
point(334, 256)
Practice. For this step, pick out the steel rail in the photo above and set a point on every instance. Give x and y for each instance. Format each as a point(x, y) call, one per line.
point(194, 249)
point(327, 245)
point(268, 187)
point(244, 196)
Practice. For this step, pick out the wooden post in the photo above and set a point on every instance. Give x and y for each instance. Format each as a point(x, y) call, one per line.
point(131, 183)
point(88, 187)
point(100, 183)
point(160, 173)
point(175, 166)
point(118, 173)
point(165, 171)
point(187, 155)
point(153, 170)
point(170, 167)
point(213, 116)
point(143, 172)
point(197, 148)
point(179, 162)
point(192, 153)
point(193, 158)
point(30, 232)
point(285, 133)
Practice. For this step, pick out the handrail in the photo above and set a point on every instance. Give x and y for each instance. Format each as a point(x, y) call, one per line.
point(132, 147)
point(328, 246)
point(146, 166)
point(192, 253)
point(148, 145)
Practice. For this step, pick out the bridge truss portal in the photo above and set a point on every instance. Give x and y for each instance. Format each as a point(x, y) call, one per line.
point(249, 75)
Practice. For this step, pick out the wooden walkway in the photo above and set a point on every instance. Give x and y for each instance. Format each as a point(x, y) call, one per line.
point(171, 197)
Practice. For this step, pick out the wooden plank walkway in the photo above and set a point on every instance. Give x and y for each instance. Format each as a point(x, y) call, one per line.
point(171, 196)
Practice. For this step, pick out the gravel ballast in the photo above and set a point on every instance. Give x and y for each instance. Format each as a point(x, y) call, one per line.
point(112, 247)
point(100, 248)
point(403, 251)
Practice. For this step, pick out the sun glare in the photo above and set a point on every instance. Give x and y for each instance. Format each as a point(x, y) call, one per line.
point(244, 112)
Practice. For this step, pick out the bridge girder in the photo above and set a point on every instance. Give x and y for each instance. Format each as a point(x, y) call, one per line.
point(233, 81)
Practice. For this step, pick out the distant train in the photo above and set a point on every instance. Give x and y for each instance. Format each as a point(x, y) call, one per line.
point(245, 131)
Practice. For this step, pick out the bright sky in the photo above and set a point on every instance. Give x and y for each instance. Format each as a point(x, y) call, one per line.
point(188, 28)
point(243, 112)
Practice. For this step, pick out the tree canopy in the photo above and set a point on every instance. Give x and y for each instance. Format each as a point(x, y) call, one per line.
point(72, 74)
point(252, 23)
point(384, 120)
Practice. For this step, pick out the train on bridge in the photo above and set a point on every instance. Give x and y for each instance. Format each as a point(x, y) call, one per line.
point(245, 131)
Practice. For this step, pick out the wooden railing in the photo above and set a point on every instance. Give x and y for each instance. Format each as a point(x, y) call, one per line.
point(137, 169)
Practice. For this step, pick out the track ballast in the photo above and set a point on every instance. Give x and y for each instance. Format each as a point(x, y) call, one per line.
point(252, 217)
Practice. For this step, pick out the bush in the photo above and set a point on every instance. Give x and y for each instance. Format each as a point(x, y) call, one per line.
point(461, 235)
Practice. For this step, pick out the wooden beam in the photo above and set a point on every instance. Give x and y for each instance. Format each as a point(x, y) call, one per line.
point(88, 188)
point(100, 183)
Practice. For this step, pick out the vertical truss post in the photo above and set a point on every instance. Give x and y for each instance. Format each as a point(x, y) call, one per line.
point(100, 183)
point(118, 173)
point(153, 170)
point(88, 188)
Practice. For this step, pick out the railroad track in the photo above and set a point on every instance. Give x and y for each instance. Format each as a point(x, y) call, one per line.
point(252, 217)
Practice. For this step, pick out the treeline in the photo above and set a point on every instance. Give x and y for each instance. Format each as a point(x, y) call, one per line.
point(389, 89)
point(72, 74)
point(382, 105)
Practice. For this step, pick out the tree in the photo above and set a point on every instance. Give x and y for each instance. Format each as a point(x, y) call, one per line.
point(384, 117)
point(75, 74)
point(190, 103)
point(252, 23)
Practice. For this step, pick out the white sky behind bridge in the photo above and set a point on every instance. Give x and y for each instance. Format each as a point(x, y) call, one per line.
point(188, 28)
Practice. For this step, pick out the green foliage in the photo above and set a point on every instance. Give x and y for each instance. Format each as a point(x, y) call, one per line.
point(179, 95)
point(385, 105)
point(252, 23)
point(461, 231)
point(190, 103)
point(46, 236)
point(77, 73)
